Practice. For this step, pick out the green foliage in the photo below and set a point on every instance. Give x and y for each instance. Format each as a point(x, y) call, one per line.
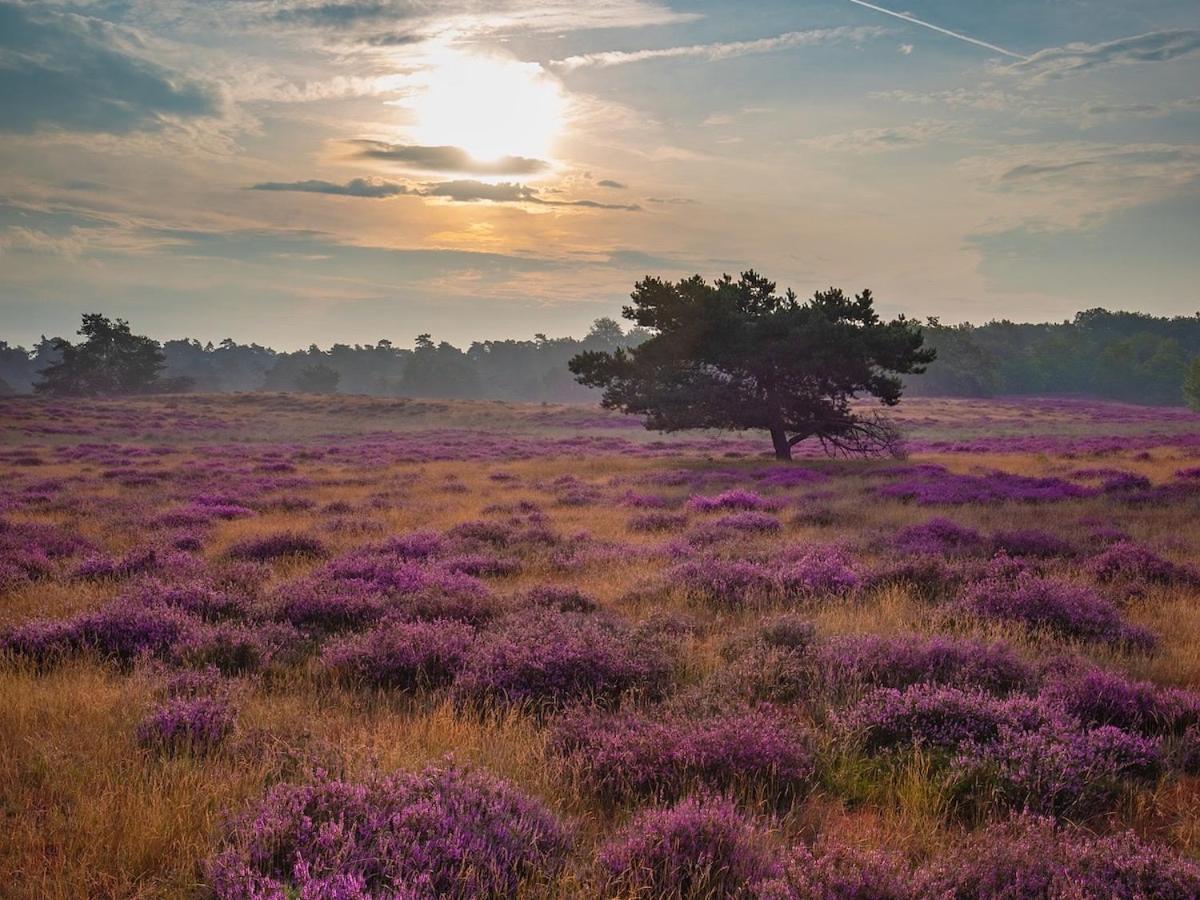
point(738, 355)
point(1191, 385)
point(318, 379)
point(112, 360)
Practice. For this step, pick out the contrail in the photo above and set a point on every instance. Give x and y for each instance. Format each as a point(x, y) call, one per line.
point(938, 28)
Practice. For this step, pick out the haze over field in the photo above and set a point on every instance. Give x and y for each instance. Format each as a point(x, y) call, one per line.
point(298, 171)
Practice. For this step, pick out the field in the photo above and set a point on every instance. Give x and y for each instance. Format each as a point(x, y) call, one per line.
point(288, 645)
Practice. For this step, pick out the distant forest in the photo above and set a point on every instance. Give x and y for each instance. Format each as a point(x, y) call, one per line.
point(1118, 355)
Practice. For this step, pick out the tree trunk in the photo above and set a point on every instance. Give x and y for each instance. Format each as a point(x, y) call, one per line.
point(783, 448)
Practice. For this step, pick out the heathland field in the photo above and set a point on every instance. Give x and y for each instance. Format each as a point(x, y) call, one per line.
point(298, 646)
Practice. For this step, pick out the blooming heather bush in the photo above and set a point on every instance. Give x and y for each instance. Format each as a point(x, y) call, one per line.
point(1063, 607)
point(931, 576)
point(817, 571)
point(732, 500)
point(790, 476)
point(406, 655)
point(783, 631)
point(187, 724)
point(482, 564)
point(234, 647)
point(124, 630)
point(938, 536)
point(547, 657)
point(925, 715)
point(101, 566)
point(1057, 768)
point(560, 597)
point(329, 607)
point(695, 849)
point(1098, 697)
point(903, 660)
point(443, 832)
point(1134, 564)
point(728, 584)
point(42, 640)
point(1029, 857)
point(749, 521)
point(996, 487)
point(622, 754)
point(836, 871)
point(276, 546)
point(1031, 542)
point(657, 521)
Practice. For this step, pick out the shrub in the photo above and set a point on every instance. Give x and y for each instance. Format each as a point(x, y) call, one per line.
point(728, 584)
point(924, 715)
point(656, 754)
point(1097, 697)
point(42, 640)
point(903, 660)
point(695, 849)
point(234, 647)
point(658, 521)
point(1132, 563)
point(1031, 542)
point(836, 871)
point(817, 571)
point(784, 631)
point(1063, 607)
point(443, 832)
point(546, 657)
point(750, 522)
point(1058, 768)
point(406, 655)
point(937, 536)
point(276, 546)
point(186, 724)
point(560, 597)
point(1030, 857)
point(732, 500)
point(125, 629)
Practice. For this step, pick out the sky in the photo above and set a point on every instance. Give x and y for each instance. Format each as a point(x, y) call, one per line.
point(318, 171)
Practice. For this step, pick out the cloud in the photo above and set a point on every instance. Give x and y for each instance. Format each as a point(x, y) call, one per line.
point(609, 183)
point(468, 191)
point(719, 51)
point(459, 191)
point(448, 159)
point(341, 15)
point(882, 140)
point(73, 72)
point(672, 201)
point(356, 187)
point(1075, 59)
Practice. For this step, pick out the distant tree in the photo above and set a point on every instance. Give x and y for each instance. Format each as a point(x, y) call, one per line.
point(318, 379)
point(439, 370)
point(737, 355)
point(1191, 385)
point(112, 360)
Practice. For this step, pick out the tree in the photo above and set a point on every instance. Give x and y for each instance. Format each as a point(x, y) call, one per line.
point(113, 360)
point(318, 379)
point(1191, 385)
point(737, 355)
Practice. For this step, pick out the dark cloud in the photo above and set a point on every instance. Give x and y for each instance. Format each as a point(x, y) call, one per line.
point(448, 159)
point(671, 201)
point(1074, 59)
point(468, 191)
point(60, 70)
point(339, 15)
point(461, 191)
point(356, 187)
point(609, 183)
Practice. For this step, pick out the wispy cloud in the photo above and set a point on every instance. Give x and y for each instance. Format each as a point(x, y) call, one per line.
point(459, 191)
point(448, 159)
point(1076, 59)
point(725, 50)
point(882, 140)
point(913, 20)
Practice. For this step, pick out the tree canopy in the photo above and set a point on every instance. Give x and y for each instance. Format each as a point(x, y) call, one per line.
point(112, 360)
point(739, 355)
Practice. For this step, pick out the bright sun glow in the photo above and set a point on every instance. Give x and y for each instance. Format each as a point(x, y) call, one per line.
point(489, 106)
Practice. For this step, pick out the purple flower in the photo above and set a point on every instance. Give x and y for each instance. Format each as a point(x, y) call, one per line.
point(903, 660)
point(1031, 542)
point(697, 848)
point(406, 655)
point(275, 546)
point(938, 536)
point(749, 521)
point(619, 755)
point(836, 871)
point(732, 500)
point(186, 724)
point(547, 657)
point(443, 832)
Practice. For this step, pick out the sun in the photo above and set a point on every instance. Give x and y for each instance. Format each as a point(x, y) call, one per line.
point(490, 106)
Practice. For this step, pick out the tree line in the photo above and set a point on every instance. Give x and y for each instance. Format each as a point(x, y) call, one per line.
point(1125, 356)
